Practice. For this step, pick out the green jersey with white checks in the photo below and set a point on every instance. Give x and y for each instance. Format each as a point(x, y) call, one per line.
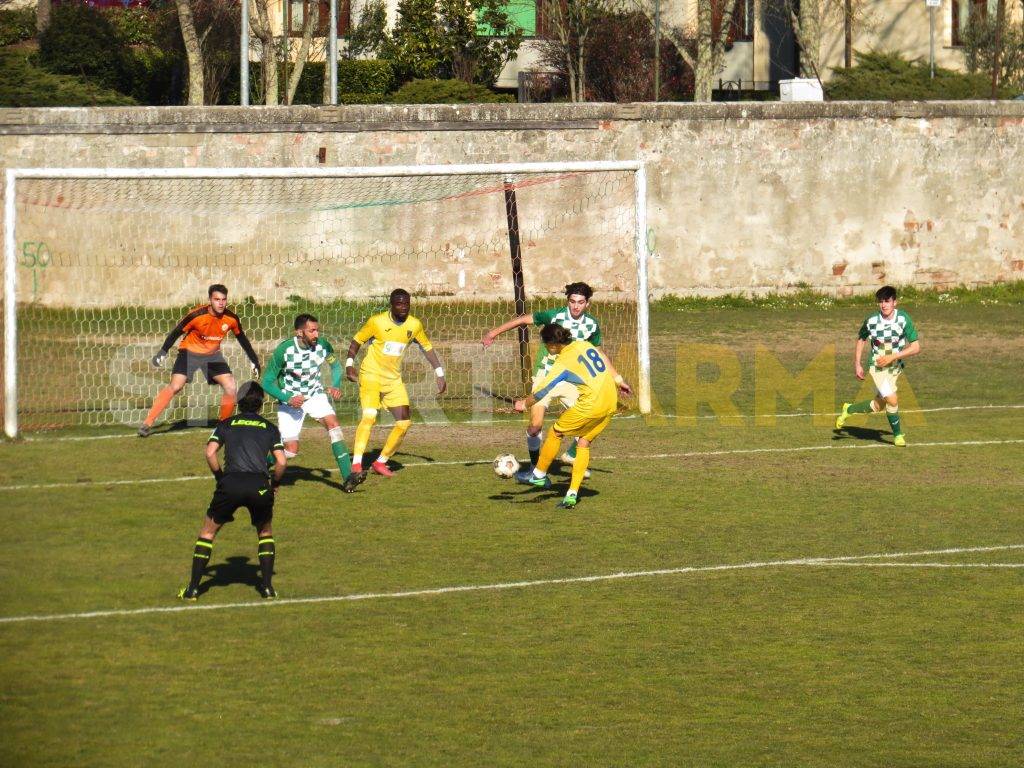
point(295, 370)
point(585, 328)
point(888, 336)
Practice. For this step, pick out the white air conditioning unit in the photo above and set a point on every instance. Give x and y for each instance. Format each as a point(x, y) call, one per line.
point(801, 89)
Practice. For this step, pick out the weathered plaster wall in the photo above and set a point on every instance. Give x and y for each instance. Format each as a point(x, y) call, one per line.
point(742, 197)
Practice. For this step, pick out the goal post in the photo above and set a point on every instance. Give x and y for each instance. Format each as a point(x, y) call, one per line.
point(100, 263)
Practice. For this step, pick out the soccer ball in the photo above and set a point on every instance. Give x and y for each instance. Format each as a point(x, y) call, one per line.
point(505, 465)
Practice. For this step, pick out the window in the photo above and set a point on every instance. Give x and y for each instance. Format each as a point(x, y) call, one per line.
point(297, 10)
point(741, 26)
point(965, 10)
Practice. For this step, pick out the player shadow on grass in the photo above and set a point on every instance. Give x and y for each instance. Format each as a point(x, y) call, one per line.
point(234, 570)
point(522, 494)
point(294, 474)
point(859, 433)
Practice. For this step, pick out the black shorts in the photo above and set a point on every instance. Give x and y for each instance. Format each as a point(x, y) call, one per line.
point(242, 489)
point(187, 363)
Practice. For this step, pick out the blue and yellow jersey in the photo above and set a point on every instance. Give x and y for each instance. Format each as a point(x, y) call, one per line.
point(581, 364)
point(383, 359)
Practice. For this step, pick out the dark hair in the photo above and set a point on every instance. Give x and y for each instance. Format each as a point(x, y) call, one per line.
point(250, 397)
point(582, 289)
point(301, 320)
point(216, 288)
point(555, 334)
point(885, 293)
point(400, 293)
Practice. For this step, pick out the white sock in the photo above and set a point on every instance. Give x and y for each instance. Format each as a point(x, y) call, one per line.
point(538, 474)
point(357, 459)
point(382, 459)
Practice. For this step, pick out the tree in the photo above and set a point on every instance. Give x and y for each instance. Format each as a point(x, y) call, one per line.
point(193, 52)
point(209, 32)
point(569, 24)
point(699, 40)
point(442, 39)
point(616, 60)
point(44, 9)
point(311, 16)
point(811, 20)
point(995, 46)
point(268, 51)
point(370, 36)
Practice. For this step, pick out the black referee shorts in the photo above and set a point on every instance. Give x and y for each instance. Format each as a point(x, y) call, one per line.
point(242, 489)
point(187, 363)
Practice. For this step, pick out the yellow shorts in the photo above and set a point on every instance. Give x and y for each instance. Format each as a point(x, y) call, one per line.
point(374, 394)
point(575, 423)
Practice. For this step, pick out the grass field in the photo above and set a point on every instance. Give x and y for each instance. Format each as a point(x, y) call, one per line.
point(728, 592)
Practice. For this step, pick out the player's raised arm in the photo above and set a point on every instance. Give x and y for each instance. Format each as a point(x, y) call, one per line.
point(272, 374)
point(515, 322)
point(177, 332)
point(243, 342)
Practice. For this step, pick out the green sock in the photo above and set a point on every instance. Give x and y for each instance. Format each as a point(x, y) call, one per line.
point(862, 407)
point(344, 460)
point(894, 422)
point(572, 450)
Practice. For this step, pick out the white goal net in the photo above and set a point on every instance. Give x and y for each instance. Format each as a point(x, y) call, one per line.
point(102, 263)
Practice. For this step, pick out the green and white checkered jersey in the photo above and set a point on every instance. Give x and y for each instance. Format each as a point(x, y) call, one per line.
point(586, 328)
point(888, 336)
point(298, 369)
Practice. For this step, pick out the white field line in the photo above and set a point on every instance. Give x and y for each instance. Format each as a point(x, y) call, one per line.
point(473, 462)
point(513, 421)
point(500, 586)
point(925, 565)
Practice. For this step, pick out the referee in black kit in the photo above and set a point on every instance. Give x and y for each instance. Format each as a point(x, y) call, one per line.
point(247, 439)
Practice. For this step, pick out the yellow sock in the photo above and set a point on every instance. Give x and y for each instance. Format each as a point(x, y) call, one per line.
point(548, 451)
point(394, 439)
point(362, 438)
point(579, 468)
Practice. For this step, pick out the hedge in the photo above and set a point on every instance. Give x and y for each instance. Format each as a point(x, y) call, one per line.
point(446, 92)
point(17, 25)
point(24, 85)
point(889, 77)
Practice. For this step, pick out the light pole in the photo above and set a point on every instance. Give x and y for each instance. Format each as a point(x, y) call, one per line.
point(332, 52)
point(243, 55)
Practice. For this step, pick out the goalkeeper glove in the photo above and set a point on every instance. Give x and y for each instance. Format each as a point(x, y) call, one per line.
point(255, 370)
point(158, 359)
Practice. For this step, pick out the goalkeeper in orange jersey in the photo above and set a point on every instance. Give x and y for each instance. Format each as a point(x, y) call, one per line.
point(204, 328)
point(380, 375)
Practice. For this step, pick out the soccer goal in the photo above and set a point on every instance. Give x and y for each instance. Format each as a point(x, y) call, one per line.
point(101, 263)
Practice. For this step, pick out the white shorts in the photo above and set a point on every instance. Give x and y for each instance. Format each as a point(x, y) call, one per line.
point(289, 419)
point(885, 380)
point(565, 392)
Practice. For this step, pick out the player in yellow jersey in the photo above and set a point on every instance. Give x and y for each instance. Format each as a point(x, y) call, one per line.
point(380, 375)
point(584, 366)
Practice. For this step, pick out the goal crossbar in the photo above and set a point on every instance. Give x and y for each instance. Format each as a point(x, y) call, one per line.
point(13, 175)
